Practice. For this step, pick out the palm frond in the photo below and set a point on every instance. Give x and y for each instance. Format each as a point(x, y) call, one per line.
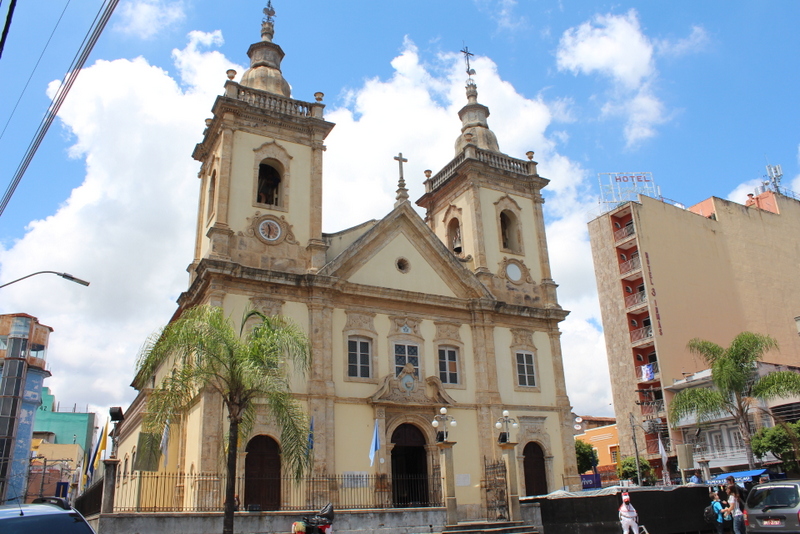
point(777, 384)
point(706, 404)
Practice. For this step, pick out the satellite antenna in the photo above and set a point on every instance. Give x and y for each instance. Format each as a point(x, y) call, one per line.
point(775, 174)
point(269, 12)
point(467, 55)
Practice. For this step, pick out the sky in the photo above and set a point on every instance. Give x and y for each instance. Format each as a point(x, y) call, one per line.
point(700, 94)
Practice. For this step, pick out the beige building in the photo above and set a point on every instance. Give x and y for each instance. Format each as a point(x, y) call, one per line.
point(666, 275)
point(405, 315)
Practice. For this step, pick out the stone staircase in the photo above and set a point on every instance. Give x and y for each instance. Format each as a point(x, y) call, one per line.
point(490, 527)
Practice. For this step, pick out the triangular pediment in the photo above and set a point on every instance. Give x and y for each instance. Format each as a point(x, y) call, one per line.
point(400, 252)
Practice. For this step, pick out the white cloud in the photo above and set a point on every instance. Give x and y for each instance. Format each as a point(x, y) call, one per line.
point(146, 18)
point(128, 228)
point(696, 41)
point(614, 46)
point(739, 194)
point(503, 13)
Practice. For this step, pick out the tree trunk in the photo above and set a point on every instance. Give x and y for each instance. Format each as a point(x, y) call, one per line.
point(744, 430)
point(230, 482)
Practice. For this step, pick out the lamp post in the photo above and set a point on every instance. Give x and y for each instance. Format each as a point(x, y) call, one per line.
point(446, 464)
point(441, 420)
point(503, 424)
point(65, 276)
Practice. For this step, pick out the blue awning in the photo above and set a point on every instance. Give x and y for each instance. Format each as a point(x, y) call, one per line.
point(738, 476)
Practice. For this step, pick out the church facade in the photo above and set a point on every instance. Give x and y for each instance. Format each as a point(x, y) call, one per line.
point(405, 315)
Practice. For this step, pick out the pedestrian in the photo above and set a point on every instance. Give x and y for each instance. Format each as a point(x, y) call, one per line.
point(763, 479)
point(716, 503)
point(628, 516)
point(695, 478)
point(735, 507)
point(236, 503)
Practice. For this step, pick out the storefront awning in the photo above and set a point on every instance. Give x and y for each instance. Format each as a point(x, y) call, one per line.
point(738, 476)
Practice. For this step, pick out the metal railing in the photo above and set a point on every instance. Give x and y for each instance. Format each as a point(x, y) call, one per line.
point(179, 492)
point(641, 334)
point(652, 445)
point(630, 265)
point(652, 408)
point(635, 299)
point(88, 503)
point(625, 231)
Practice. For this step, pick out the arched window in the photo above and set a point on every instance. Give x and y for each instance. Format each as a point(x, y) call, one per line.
point(212, 190)
point(509, 231)
point(454, 236)
point(269, 185)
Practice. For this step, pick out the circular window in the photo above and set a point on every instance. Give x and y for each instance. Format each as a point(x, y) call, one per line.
point(402, 265)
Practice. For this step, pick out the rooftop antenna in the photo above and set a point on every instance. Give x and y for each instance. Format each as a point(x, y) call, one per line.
point(470, 71)
point(775, 173)
point(269, 12)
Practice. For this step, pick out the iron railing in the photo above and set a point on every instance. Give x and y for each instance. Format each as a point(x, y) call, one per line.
point(652, 408)
point(179, 492)
point(641, 334)
point(88, 503)
point(624, 232)
point(635, 299)
point(630, 265)
point(647, 372)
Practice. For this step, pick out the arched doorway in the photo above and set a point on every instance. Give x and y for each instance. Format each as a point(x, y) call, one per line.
point(535, 472)
point(409, 467)
point(262, 474)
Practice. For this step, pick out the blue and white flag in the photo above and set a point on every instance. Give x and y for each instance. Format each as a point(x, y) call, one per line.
point(663, 452)
point(376, 444)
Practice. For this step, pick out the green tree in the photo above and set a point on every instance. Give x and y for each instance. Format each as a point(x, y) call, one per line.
point(241, 364)
point(737, 385)
point(586, 455)
point(626, 470)
point(782, 441)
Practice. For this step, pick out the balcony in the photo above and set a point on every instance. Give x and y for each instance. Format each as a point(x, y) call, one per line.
point(630, 265)
point(625, 231)
point(641, 334)
point(647, 372)
point(651, 445)
point(635, 299)
point(651, 409)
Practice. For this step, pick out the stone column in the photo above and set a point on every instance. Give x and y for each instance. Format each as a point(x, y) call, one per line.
point(448, 474)
point(512, 483)
point(109, 485)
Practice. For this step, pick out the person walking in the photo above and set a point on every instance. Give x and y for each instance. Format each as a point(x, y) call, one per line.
point(716, 504)
point(628, 517)
point(735, 504)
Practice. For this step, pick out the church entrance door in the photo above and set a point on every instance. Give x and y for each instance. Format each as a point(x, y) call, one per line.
point(535, 472)
point(409, 467)
point(262, 474)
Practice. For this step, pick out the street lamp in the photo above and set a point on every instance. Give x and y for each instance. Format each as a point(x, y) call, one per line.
point(442, 419)
point(502, 424)
point(65, 276)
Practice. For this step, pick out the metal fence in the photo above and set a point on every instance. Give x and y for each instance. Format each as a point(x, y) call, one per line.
point(88, 503)
point(179, 492)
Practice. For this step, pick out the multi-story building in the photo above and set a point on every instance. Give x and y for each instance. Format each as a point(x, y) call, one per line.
point(23, 346)
point(604, 440)
point(405, 315)
point(666, 275)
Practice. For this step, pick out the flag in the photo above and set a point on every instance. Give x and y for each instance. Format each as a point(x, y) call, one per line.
point(165, 443)
point(99, 447)
point(376, 444)
point(647, 372)
point(664, 459)
point(311, 435)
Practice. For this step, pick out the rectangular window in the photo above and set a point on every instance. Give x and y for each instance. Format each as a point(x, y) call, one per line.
point(614, 454)
point(525, 373)
point(404, 354)
point(359, 357)
point(448, 365)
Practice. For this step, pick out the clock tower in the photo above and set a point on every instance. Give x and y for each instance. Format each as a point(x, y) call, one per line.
point(261, 173)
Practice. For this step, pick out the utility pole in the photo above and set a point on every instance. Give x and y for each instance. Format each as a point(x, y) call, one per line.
point(635, 448)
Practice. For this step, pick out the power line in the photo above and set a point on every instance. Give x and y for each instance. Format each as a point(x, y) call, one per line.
point(7, 25)
point(99, 23)
point(22, 93)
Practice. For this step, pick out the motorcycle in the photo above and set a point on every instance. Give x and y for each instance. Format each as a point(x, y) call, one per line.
point(320, 523)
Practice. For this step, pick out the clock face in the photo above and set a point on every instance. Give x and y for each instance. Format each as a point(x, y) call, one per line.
point(513, 272)
point(270, 230)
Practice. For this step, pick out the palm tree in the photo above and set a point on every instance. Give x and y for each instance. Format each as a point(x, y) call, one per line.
point(208, 353)
point(736, 384)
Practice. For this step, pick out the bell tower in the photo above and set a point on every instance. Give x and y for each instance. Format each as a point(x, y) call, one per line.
point(261, 174)
point(487, 208)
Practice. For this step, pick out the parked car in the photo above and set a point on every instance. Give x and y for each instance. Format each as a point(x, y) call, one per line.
point(46, 514)
point(773, 507)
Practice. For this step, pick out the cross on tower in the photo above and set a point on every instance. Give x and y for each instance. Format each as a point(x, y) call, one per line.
point(467, 55)
point(400, 159)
